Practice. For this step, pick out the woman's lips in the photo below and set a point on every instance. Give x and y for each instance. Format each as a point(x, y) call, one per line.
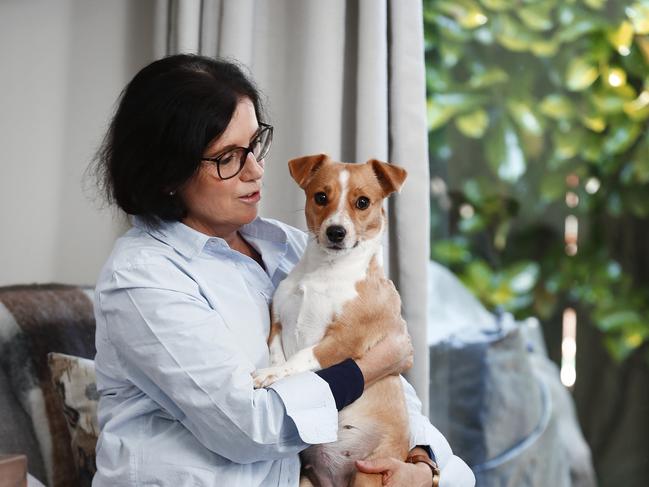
point(251, 197)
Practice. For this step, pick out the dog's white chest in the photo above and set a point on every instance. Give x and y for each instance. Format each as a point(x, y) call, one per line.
point(308, 300)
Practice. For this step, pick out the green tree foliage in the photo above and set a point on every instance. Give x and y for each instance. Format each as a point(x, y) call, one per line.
point(537, 110)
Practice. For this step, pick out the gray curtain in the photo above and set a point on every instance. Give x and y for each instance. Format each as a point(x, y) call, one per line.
point(341, 77)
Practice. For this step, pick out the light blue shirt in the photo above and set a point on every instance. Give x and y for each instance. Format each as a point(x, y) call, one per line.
point(182, 321)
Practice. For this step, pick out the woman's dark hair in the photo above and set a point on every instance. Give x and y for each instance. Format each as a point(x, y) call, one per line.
point(166, 117)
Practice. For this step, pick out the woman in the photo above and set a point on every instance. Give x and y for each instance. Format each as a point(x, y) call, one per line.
point(182, 302)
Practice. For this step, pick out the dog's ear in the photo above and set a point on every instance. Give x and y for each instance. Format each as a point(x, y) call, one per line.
point(302, 169)
point(390, 177)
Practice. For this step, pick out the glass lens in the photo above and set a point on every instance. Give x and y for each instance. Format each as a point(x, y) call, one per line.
point(230, 163)
point(261, 145)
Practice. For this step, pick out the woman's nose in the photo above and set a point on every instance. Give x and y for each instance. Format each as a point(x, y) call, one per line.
point(253, 169)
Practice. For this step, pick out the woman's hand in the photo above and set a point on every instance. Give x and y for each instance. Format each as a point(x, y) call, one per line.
point(392, 355)
point(396, 473)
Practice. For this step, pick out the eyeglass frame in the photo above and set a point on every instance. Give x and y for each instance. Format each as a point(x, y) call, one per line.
point(247, 150)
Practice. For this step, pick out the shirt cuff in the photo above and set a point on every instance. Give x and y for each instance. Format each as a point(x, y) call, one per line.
point(345, 381)
point(428, 450)
point(310, 404)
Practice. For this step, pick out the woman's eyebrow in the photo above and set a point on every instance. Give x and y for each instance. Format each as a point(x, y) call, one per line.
point(233, 146)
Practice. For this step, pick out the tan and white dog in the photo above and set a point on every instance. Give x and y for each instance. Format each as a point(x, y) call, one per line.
point(337, 304)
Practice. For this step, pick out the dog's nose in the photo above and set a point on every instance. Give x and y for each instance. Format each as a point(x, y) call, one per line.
point(336, 233)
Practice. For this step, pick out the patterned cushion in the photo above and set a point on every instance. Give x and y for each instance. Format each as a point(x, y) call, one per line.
point(36, 320)
point(74, 380)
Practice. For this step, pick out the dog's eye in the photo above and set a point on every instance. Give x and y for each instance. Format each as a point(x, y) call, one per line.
point(363, 203)
point(320, 198)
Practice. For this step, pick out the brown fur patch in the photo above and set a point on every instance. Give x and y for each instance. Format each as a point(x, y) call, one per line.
point(363, 181)
point(275, 330)
point(364, 321)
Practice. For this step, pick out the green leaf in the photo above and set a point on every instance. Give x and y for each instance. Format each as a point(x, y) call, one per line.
point(522, 113)
point(449, 29)
point(512, 34)
point(466, 12)
point(522, 276)
point(478, 276)
point(451, 252)
point(498, 5)
point(594, 123)
point(473, 124)
point(620, 137)
point(504, 153)
point(501, 234)
point(443, 106)
point(545, 47)
point(437, 79)
point(489, 77)
point(595, 4)
point(502, 294)
point(621, 37)
point(638, 13)
point(557, 106)
point(537, 16)
point(638, 109)
point(577, 23)
point(580, 74)
point(472, 224)
point(608, 102)
point(473, 191)
point(618, 320)
point(451, 53)
point(567, 144)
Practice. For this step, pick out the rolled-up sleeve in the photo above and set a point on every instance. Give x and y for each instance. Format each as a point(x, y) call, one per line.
point(179, 351)
point(454, 471)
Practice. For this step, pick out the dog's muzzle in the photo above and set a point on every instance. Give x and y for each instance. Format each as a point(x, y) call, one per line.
point(336, 233)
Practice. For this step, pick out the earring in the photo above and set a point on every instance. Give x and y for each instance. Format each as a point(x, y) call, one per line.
point(171, 193)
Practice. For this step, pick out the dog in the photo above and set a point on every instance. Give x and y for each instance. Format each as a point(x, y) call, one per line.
point(336, 304)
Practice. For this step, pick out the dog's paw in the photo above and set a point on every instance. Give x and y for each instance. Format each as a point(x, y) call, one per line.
point(265, 377)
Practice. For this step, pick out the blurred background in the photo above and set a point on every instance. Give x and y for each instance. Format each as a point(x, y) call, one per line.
point(538, 114)
point(538, 118)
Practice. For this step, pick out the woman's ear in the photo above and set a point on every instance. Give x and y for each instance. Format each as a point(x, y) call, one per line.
point(303, 168)
point(390, 177)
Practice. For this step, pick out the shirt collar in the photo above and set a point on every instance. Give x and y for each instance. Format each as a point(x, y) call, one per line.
point(190, 242)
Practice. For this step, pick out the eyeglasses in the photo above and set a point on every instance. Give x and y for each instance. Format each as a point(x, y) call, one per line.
point(231, 162)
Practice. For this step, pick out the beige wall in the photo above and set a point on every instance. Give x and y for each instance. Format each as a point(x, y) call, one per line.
point(62, 66)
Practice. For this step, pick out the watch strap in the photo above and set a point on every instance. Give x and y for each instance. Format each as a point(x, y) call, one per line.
point(433, 466)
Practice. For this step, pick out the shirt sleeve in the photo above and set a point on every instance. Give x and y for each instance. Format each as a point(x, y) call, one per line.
point(454, 471)
point(180, 352)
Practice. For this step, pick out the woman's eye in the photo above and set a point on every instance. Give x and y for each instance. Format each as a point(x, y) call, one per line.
point(320, 198)
point(363, 203)
point(226, 159)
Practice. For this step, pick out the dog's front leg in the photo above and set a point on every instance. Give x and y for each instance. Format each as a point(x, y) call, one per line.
point(302, 361)
point(327, 352)
point(275, 347)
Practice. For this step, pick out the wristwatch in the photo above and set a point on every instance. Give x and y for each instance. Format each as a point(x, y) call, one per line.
point(433, 466)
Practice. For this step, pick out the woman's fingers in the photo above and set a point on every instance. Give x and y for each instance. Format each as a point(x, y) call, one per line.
point(377, 465)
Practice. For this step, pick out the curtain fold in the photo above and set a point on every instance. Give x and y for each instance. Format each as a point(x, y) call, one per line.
point(341, 77)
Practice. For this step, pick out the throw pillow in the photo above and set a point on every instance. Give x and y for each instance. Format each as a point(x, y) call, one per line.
point(74, 380)
point(35, 320)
